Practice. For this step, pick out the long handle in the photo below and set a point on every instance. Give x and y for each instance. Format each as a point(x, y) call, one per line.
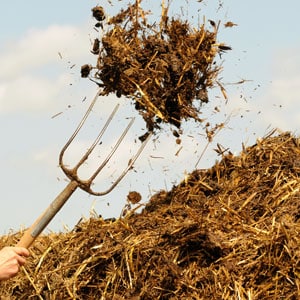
point(44, 219)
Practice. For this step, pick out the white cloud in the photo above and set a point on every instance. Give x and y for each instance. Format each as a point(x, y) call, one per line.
point(39, 47)
point(281, 107)
point(275, 103)
point(29, 93)
point(280, 103)
point(37, 68)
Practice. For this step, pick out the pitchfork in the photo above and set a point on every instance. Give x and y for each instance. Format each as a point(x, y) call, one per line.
point(44, 219)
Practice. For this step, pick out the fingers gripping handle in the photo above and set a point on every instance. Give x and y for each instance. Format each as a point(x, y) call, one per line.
point(39, 225)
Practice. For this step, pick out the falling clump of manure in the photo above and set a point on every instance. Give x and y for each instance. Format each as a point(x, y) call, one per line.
point(228, 232)
point(165, 67)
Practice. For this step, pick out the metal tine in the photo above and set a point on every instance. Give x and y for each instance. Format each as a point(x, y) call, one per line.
point(66, 146)
point(92, 147)
point(129, 166)
point(117, 144)
point(72, 174)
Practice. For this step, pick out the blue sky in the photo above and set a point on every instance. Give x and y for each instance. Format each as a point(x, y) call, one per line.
point(36, 83)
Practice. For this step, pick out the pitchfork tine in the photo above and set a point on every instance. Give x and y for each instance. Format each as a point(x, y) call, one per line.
point(72, 173)
point(78, 129)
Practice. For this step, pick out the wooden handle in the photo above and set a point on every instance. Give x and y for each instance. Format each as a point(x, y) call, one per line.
point(44, 219)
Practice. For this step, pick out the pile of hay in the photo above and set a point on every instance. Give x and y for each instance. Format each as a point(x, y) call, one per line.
point(164, 67)
point(228, 232)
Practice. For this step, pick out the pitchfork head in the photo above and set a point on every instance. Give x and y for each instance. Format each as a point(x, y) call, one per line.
point(72, 173)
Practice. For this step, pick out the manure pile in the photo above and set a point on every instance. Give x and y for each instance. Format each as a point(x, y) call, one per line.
point(228, 232)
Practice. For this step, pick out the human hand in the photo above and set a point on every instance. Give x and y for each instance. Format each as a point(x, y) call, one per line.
point(11, 259)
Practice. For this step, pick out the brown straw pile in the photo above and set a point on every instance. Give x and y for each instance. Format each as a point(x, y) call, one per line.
point(228, 232)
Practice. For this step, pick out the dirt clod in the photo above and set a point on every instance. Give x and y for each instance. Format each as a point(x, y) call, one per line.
point(98, 13)
point(134, 197)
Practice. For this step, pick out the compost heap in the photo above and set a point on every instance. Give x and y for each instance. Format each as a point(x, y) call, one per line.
point(165, 67)
point(228, 232)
